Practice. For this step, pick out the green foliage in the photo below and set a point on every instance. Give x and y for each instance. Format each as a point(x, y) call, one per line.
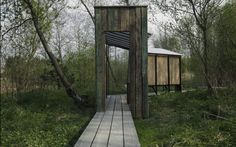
point(28, 75)
point(80, 68)
point(179, 119)
point(226, 43)
point(41, 118)
point(120, 70)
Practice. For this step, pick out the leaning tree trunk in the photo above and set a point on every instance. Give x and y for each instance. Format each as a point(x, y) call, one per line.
point(69, 90)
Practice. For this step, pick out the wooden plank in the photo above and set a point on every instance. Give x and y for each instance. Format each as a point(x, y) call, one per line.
point(168, 73)
point(89, 133)
point(101, 138)
point(151, 70)
point(107, 71)
point(98, 58)
point(180, 73)
point(162, 70)
point(128, 81)
point(138, 65)
point(130, 134)
point(112, 128)
point(124, 17)
point(112, 20)
point(174, 70)
point(145, 107)
point(116, 134)
point(132, 84)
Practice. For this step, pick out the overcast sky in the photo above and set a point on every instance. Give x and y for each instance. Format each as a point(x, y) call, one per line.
point(153, 26)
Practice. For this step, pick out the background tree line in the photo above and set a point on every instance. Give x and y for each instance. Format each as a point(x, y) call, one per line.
point(204, 31)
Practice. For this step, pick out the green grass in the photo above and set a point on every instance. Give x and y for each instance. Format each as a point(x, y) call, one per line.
point(177, 119)
point(41, 118)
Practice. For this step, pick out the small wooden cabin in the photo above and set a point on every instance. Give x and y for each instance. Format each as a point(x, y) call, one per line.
point(164, 69)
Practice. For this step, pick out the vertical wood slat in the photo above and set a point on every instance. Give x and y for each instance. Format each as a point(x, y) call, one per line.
point(112, 20)
point(128, 80)
point(174, 70)
point(107, 70)
point(168, 69)
point(151, 70)
point(103, 53)
point(132, 52)
point(104, 27)
point(100, 59)
point(144, 49)
point(98, 43)
point(162, 70)
point(180, 73)
point(156, 87)
point(124, 17)
point(138, 66)
point(156, 70)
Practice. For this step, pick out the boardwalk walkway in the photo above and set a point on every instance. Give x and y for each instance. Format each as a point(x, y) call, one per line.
point(113, 128)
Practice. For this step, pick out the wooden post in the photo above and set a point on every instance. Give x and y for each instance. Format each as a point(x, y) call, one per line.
point(100, 62)
point(132, 53)
point(128, 81)
point(168, 68)
point(138, 65)
point(180, 73)
point(107, 70)
point(145, 107)
point(156, 73)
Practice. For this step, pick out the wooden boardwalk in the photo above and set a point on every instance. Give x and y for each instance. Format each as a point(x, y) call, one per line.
point(113, 128)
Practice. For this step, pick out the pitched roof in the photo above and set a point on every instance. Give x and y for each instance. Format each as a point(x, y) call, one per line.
point(161, 51)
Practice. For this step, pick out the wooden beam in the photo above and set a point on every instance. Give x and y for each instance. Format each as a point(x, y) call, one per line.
point(180, 73)
point(132, 52)
point(155, 69)
point(138, 65)
point(100, 60)
point(144, 48)
point(168, 69)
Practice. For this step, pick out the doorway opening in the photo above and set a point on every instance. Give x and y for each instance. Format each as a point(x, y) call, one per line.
point(117, 62)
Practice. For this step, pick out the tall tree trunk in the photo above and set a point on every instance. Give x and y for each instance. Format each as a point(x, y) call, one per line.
point(69, 90)
point(205, 64)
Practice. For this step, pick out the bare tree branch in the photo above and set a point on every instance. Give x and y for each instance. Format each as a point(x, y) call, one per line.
point(90, 14)
point(15, 27)
point(169, 7)
point(195, 13)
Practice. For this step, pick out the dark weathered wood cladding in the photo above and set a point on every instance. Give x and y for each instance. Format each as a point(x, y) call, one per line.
point(134, 20)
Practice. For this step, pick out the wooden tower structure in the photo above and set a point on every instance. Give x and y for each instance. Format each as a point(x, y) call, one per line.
point(124, 27)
